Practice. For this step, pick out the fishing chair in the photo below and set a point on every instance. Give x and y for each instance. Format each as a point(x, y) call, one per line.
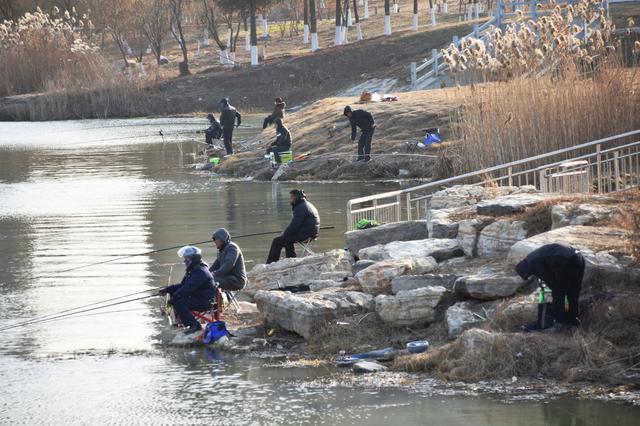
point(307, 246)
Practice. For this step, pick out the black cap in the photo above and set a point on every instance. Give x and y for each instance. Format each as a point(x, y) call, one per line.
point(298, 193)
point(224, 101)
point(347, 109)
point(211, 117)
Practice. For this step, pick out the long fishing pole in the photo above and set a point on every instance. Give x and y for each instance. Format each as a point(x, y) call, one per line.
point(257, 234)
point(61, 314)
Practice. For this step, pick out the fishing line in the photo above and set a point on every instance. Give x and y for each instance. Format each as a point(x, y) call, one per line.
point(64, 314)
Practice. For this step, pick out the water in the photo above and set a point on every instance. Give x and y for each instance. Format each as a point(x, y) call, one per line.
point(79, 192)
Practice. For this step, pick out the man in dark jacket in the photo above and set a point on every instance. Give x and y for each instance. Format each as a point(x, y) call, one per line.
point(282, 142)
point(196, 290)
point(228, 117)
point(305, 224)
point(214, 131)
point(561, 267)
point(228, 270)
point(364, 120)
point(278, 112)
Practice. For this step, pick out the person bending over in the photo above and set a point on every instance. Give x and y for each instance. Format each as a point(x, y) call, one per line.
point(305, 224)
point(364, 120)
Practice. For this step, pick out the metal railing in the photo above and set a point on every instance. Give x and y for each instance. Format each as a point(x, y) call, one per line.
point(604, 165)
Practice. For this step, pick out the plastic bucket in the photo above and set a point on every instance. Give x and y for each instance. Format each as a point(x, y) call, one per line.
point(214, 160)
point(286, 156)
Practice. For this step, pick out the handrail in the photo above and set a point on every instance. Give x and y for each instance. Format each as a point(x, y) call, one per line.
point(533, 174)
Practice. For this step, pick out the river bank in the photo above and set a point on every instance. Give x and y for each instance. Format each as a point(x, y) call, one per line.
point(449, 279)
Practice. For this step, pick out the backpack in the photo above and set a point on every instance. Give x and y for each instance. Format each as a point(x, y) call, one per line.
point(214, 331)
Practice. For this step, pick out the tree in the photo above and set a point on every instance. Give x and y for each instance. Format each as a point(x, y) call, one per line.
point(387, 18)
point(305, 36)
point(415, 15)
point(115, 18)
point(357, 16)
point(338, 35)
point(314, 25)
point(176, 8)
point(155, 24)
point(254, 33)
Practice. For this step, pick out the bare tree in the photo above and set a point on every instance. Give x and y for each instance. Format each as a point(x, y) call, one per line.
point(357, 16)
point(313, 25)
point(176, 8)
point(156, 24)
point(338, 36)
point(387, 18)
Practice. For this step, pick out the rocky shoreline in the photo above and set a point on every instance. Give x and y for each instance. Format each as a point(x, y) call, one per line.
point(450, 279)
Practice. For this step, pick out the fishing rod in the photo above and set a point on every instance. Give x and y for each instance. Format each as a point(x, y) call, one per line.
point(257, 234)
point(64, 314)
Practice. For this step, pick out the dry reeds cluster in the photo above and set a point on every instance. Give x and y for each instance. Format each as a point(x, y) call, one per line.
point(555, 42)
point(49, 54)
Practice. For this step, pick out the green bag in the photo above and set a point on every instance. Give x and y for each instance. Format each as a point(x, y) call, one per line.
point(366, 224)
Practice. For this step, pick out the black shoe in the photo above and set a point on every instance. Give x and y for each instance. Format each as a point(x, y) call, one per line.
point(193, 329)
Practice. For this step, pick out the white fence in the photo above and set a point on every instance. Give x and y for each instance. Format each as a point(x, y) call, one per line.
point(604, 165)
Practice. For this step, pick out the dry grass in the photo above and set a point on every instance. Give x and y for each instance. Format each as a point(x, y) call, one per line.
point(630, 220)
point(605, 349)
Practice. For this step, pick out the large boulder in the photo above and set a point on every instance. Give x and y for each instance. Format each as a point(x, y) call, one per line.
point(498, 237)
point(477, 340)
point(487, 285)
point(469, 195)
point(333, 265)
point(469, 232)
point(397, 231)
point(439, 249)
point(440, 223)
point(376, 279)
point(412, 282)
point(510, 204)
point(303, 313)
point(463, 315)
point(410, 307)
point(600, 245)
point(581, 214)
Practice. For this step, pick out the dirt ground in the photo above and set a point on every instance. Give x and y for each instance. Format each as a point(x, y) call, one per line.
point(323, 132)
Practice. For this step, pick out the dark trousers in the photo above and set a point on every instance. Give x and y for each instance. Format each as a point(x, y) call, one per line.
point(364, 144)
point(185, 305)
point(208, 138)
point(285, 242)
point(227, 137)
point(569, 285)
point(230, 283)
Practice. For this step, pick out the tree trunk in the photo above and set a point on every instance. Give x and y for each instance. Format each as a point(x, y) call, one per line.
point(313, 25)
point(415, 15)
point(358, 28)
point(387, 18)
point(338, 35)
point(305, 36)
point(254, 33)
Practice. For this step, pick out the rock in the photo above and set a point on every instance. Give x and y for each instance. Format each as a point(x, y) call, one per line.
point(510, 204)
point(498, 237)
point(303, 313)
point(368, 367)
point(410, 307)
point(412, 282)
point(517, 313)
point(362, 264)
point(601, 247)
point(488, 286)
point(398, 231)
point(468, 234)
point(469, 195)
point(582, 214)
point(439, 249)
point(462, 315)
point(317, 285)
point(475, 340)
point(440, 224)
point(376, 279)
point(333, 265)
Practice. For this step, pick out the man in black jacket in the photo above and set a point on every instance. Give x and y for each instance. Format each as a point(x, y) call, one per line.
point(282, 142)
point(196, 290)
point(561, 267)
point(305, 224)
point(228, 270)
point(364, 120)
point(228, 117)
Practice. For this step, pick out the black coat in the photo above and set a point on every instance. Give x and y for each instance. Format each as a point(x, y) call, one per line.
point(362, 119)
point(305, 222)
point(283, 139)
point(546, 262)
point(230, 261)
point(228, 118)
point(197, 282)
point(215, 130)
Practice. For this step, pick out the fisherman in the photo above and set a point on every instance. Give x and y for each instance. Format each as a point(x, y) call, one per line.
point(282, 142)
point(228, 269)
point(561, 268)
point(228, 117)
point(278, 112)
point(214, 131)
point(304, 225)
point(196, 290)
point(364, 120)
